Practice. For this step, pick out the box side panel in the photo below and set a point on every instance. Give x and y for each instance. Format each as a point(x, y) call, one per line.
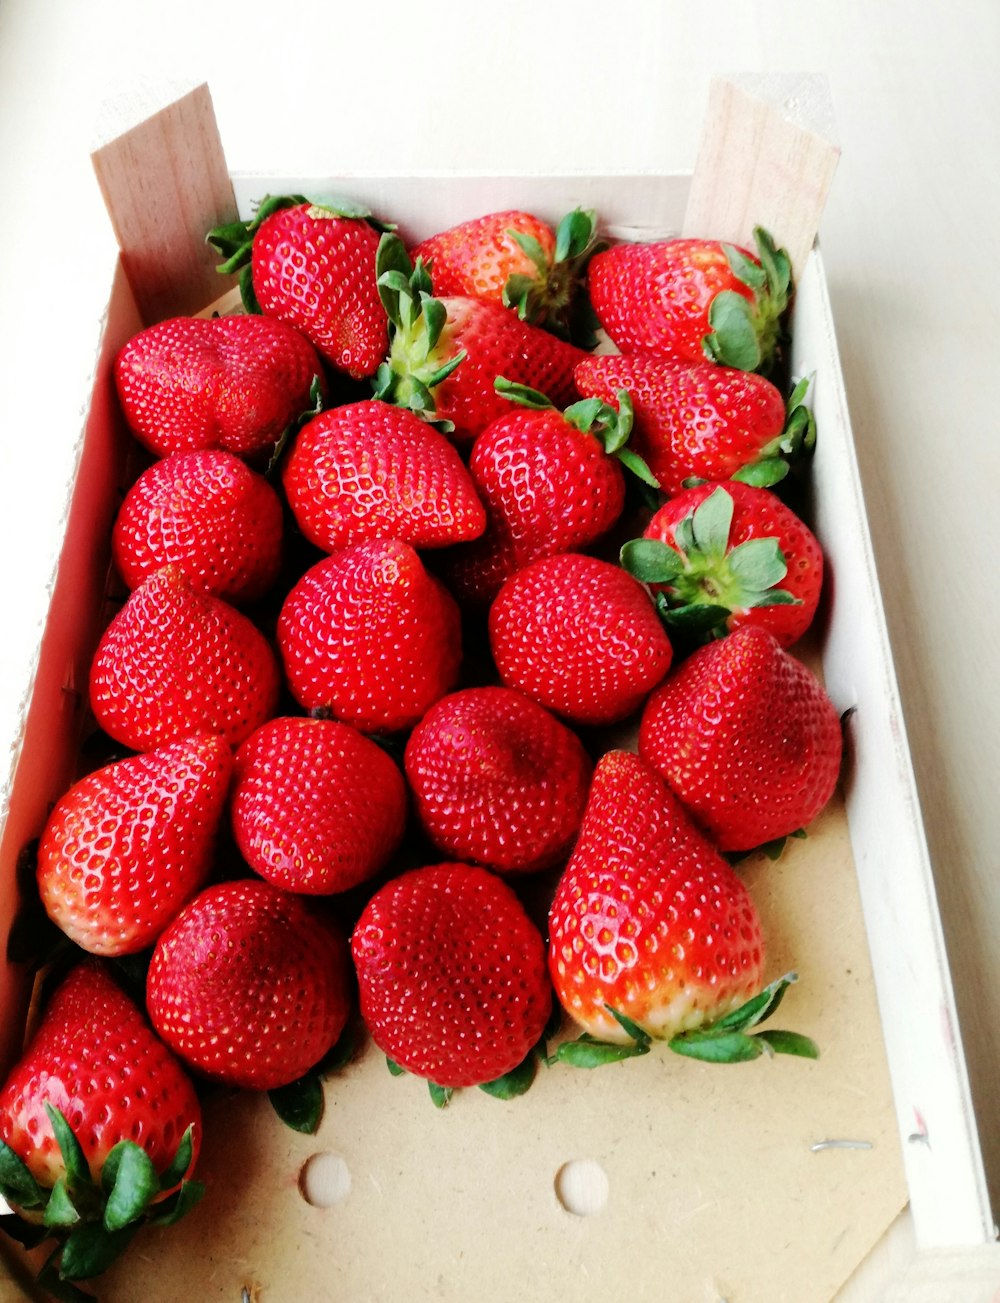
point(55, 717)
point(630, 207)
point(941, 1150)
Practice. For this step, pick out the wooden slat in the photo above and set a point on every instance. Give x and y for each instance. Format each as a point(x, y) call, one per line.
point(966, 1275)
point(765, 159)
point(165, 183)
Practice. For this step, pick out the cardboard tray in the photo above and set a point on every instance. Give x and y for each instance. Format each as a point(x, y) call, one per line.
point(767, 1182)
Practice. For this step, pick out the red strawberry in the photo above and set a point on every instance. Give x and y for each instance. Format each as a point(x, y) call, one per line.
point(94, 1084)
point(312, 266)
point(580, 636)
point(497, 780)
point(451, 974)
point(175, 660)
point(551, 483)
point(209, 514)
point(316, 806)
point(226, 382)
point(249, 985)
point(648, 918)
point(371, 470)
point(746, 737)
point(446, 353)
point(692, 299)
point(728, 555)
point(514, 259)
point(127, 846)
point(701, 421)
point(368, 635)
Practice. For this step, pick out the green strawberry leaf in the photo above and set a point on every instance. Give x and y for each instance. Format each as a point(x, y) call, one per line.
point(584, 413)
point(638, 1034)
point(637, 465)
point(520, 293)
point(17, 1185)
point(248, 294)
point(762, 474)
point(697, 619)
point(530, 247)
point(300, 1103)
point(522, 395)
point(711, 521)
point(758, 563)
point(136, 1183)
point(651, 561)
point(512, 1083)
point(394, 1067)
point(575, 235)
point(442, 373)
point(178, 1205)
point(587, 1052)
point(77, 1169)
point(60, 1209)
point(758, 1007)
point(777, 267)
point(91, 1249)
point(440, 1095)
point(781, 1042)
point(180, 1164)
point(733, 341)
point(744, 268)
point(722, 1047)
point(28, 1234)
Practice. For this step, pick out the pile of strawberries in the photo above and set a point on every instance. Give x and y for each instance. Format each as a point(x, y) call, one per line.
point(407, 564)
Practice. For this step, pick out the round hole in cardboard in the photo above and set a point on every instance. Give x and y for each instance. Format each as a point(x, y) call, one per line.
point(582, 1187)
point(325, 1180)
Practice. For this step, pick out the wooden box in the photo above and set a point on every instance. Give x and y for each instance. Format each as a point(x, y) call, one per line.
point(659, 1179)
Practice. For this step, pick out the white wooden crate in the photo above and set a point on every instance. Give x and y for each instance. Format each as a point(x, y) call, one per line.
point(933, 1127)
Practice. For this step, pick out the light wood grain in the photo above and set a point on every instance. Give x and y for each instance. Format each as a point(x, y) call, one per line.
point(762, 163)
point(161, 179)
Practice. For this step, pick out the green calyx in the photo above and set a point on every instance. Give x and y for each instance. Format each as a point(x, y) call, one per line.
point(93, 1222)
point(421, 354)
point(701, 581)
point(730, 1039)
point(234, 240)
point(612, 426)
point(796, 441)
point(300, 1104)
point(746, 332)
point(553, 297)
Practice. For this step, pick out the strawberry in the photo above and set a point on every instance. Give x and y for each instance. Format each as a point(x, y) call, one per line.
point(451, 975)
point(746, 737)
point(207, 513)
point(368, 635)
point(497, 780)
point(580, 636)
point(700, 421)
point(99, 1128)
point(691, 299)
point(249, 985)
point(723, 556)
point(127, 846)
point(551, 482)
point(316, 806)
point(516, 260)
point(227, 382)
point(175, 660)
point(648, 918)
point(371, 470)
point(446, 353)
point(312, 266)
